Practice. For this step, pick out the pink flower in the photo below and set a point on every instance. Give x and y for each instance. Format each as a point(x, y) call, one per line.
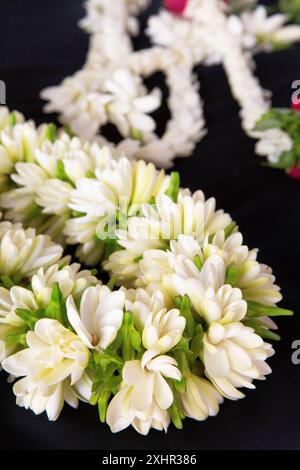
point(175, 6)
point(295, 172)
point(295, 106)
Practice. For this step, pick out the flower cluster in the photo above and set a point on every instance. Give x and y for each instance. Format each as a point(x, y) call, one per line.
point(279, 139)
point(184, 319)
point(110, 87)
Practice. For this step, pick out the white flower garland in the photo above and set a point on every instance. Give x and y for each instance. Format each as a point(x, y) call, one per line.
point(185, 330)
point(109, 88)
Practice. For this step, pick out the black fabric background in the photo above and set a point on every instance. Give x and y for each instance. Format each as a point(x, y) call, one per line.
point(40, 45)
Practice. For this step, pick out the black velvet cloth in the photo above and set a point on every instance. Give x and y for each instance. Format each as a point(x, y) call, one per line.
point(40, 45)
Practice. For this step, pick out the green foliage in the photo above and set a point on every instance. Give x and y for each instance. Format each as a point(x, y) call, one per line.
point(51, 133)
point(255, 309)
point(33, 214)
point(184, 305)
point(261, 330)
point(288, 120)
point(68, 130)
point(197, 342)
point(136, 134)
point(232, 274)
point(12, 119)
point(238, 6)
point(176, 411)
point(29, 317)
point(110, 246)
point(174, 186)
point(55, 310)
point(17, 340)
point(111, 283)
point(198, 262)
point(57, 306)
point(131, 338)
point(106, 367)
point(230, 229)
point(291, 8)
point(61, 173)
point(7, 281)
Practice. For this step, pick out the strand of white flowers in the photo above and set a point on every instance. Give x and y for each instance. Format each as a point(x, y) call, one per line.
point(238, 66)
point(206, 33)
point(186, 125)
point(111, 48)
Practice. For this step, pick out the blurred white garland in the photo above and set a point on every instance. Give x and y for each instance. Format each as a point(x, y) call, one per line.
point(110, 86)
point(187, 327)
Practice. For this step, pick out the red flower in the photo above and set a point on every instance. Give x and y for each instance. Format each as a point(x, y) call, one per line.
point(295, 106)
point(175, 6)
point(295, 172)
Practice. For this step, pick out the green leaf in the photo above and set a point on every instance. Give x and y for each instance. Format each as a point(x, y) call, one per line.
point(106, 367)
point(61, 173)
point(255, 309)
point(136, 339)
point(185, 311)
point(229, 229)
point(261, 330)
point(136, 134)
point(57, 308)
point(131, 338)
point(122, 219)
point(17, 339)
point(7, 282)
point(231, 275)
point(33, 214)
point(291, 8)
point(111, 245)
point(183, 345)
point(111, 283)
point(50, 133)
point(117, 343)
point(68, 130)
point(197, 262)
point(286, 160)
point(29, 317)
point(176, 410)
point(109, 357)
point(177, 301)
point(128, 338)
point(106, 383)
point(179, 385)
point(174, 185)
point(77, 214)
point(197, 342)
point(265, 124)
point(90, 174)
point(175, 416)
point(94, 399)
point(12, 119)
point(102, 404)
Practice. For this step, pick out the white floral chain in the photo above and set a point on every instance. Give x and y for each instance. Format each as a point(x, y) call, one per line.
point(110, 86)
point(184, 320)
